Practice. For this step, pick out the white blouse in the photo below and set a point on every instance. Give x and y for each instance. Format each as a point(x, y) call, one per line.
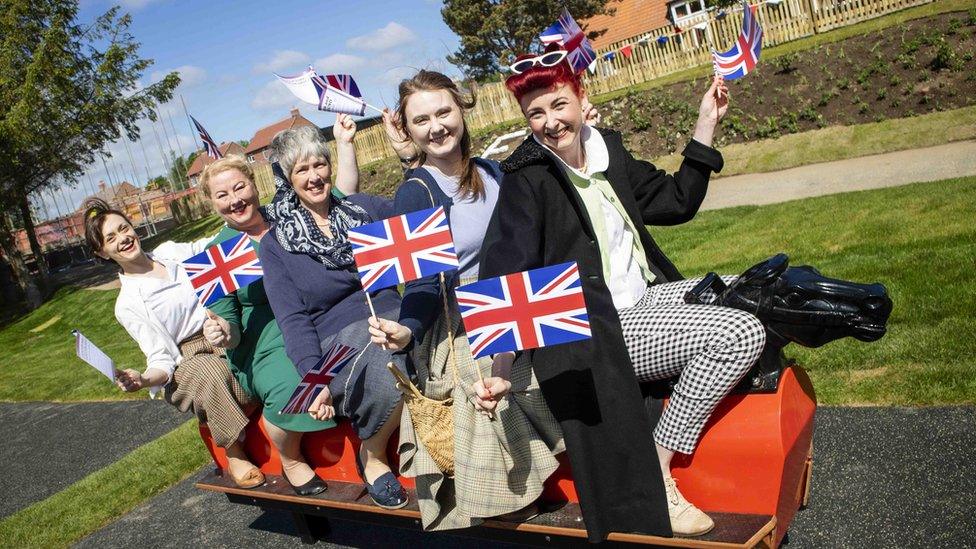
point(158, 313)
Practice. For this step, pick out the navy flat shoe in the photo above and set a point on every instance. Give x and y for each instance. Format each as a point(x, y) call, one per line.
point(386, 491)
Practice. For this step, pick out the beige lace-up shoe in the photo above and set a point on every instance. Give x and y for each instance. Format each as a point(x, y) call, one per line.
point(686, 519)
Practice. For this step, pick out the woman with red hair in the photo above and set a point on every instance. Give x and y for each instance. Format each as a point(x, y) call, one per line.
point(574, 193)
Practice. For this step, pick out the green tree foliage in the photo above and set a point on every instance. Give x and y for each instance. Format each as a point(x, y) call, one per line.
point(157, 183)
point(494, 31)
point(178, 168)
point(67, 89)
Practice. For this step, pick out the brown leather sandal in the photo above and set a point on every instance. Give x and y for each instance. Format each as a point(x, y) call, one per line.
point(251, 479)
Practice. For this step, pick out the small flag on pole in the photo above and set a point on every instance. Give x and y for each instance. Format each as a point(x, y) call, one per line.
point(209, 145)
point(744, 55)
point(318, 378)
point(571, 37)
point(223, 268)
point(316, 90)
point(90, 353)
point(403, 248)
point(524, 310)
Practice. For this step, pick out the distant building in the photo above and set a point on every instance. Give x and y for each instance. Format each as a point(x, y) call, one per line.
point(202, 161)
point(635, 17)
point(257, 149)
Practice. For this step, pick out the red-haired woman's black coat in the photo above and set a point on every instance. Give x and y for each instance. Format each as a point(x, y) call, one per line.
point(590, 385)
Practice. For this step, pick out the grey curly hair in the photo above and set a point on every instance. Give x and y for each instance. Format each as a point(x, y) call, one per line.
point(291, 146)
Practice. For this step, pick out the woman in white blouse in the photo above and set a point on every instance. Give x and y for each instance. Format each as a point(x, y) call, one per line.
point(159, 309)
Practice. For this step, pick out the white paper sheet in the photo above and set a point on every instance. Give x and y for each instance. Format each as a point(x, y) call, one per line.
point(91, 354)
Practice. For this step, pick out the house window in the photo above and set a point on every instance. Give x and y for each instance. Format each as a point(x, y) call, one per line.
point(250, 158)
point(685, 9)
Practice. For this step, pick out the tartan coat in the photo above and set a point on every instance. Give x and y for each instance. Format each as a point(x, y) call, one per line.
point(590, 385)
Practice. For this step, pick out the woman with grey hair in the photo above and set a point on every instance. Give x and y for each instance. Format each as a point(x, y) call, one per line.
point(314, 290)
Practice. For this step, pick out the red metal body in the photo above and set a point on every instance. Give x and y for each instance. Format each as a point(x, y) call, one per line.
point(752, 457)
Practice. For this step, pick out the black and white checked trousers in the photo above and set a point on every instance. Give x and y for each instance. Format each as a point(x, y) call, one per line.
point(709, 347)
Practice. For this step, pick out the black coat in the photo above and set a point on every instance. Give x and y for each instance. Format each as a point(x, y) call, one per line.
point(590, 385)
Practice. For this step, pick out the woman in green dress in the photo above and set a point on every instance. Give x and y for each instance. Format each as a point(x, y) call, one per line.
point(243, 323)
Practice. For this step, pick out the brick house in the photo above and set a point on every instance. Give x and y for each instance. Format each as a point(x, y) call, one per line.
point(634, 17)
point(202, 160)
point(257, 149)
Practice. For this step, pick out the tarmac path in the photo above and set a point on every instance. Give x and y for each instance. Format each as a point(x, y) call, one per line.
point(883, 477)
point(853, 174)
point(47, 446)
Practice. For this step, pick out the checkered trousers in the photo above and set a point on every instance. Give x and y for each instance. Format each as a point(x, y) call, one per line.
point(710, 348)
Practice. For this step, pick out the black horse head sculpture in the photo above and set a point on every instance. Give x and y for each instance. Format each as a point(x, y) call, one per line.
point(800, 305)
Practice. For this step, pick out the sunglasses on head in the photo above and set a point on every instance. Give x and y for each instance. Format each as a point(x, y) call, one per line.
point(546, 60)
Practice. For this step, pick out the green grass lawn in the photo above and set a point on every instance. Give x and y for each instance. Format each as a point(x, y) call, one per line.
point(107, 494)
point(919, 240)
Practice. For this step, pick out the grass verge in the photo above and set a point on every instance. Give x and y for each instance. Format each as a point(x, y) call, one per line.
point(919, 240)
point(43, 365)
point(835, 35)
point(841, 142)
point(104, 495)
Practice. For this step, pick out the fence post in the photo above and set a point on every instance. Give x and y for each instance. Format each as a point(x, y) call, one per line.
point(813, 17)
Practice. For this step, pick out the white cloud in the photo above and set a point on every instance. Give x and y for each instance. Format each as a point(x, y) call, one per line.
point(339, 63)
point(280, 61)
point(388, 37)
point(273, 95)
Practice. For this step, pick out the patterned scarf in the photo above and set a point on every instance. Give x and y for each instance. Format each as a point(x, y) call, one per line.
point(297, 232)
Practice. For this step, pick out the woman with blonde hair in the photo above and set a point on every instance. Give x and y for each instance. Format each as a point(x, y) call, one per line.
point(504, 436)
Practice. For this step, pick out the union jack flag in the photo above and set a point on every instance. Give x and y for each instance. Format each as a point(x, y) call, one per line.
point(223, 268)
point(209, 145)
point(571, 37)
point(403, 248)
point(524, 310)
point(334, 98)
point(742, 58)
point(318, 378)
point(343, 82)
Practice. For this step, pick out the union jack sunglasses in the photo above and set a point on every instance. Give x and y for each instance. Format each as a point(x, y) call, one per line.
point(546, 60)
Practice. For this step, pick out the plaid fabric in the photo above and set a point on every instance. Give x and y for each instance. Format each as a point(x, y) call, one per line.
point(203, 383)
point(709, 348)
point(501, 464)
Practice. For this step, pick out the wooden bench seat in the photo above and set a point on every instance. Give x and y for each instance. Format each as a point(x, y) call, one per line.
point(562, 525)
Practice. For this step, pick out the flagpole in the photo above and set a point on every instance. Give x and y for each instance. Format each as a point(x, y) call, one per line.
point(372, 107)
point(372, 311)
point(193, 131)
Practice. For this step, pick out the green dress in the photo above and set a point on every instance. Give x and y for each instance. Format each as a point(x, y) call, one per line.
point(259, 361)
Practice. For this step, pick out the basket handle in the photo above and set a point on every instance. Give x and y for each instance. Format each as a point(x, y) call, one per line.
point(405, 384)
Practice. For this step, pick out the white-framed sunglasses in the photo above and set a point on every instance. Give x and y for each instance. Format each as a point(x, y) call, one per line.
point(546, 60)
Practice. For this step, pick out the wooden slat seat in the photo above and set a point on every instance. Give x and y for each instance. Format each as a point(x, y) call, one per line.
point(560, 526)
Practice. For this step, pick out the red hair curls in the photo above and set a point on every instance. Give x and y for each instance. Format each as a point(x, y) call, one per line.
point(541, 77)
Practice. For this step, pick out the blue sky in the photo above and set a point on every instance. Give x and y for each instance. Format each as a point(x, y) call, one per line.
point(226, 53)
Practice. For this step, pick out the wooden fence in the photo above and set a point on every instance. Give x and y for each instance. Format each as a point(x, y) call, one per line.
point(782, 22)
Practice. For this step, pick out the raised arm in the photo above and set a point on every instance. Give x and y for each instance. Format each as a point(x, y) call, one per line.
point(347, 167)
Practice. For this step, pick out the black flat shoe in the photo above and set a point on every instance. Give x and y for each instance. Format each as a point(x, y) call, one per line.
point(310, 488)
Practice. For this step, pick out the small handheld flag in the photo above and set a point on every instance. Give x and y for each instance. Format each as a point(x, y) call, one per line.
point(318, 378)
point(403, 248)
point(744, 55)
point(336, 93)
point(90, 353)
point(571, 37)
point(223, 268)
point(209, 145)
point(524, 310)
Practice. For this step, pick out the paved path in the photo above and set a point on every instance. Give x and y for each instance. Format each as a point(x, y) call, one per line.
point(46, 446)
point(854, 174)
point(883, 477)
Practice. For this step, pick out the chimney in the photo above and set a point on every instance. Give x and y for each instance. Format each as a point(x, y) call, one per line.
point(101, 185)
point(295, 113)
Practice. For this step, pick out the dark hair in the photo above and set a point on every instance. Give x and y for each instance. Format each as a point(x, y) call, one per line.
point(470, 183)
point(540, 77)
point(96, 210)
